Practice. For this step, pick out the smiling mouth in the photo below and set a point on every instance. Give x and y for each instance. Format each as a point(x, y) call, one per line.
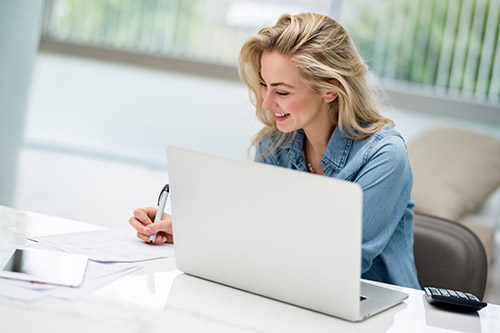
point(281, 115)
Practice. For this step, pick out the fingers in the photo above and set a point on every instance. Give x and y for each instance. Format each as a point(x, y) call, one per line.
point(145, 215)
point(160, 238)
point(163, 230)
point(142, 217)
point(142, 222)
point(164, 225)
point(143, 237)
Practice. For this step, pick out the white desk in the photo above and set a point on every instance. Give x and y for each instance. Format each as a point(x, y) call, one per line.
point(159, 298)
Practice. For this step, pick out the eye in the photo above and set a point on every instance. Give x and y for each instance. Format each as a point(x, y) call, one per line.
point(263, 84)
point(282, 93)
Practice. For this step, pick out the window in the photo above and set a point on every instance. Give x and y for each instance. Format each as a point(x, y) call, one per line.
point(209, 31)
point(447, 48)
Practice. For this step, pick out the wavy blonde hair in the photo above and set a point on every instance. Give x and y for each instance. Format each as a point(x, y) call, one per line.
point(328, 60)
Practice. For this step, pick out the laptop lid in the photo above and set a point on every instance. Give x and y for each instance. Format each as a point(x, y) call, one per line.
point(280, 233)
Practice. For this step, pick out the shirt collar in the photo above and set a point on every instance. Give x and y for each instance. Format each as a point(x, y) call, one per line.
point(335, 155)
point(337, 150)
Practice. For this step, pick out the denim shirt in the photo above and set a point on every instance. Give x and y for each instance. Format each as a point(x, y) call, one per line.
point(380, 165)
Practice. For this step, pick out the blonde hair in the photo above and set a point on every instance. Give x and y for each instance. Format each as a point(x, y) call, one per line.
point(328, 60)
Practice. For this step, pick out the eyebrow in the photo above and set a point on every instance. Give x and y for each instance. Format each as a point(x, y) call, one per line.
point(277, 83)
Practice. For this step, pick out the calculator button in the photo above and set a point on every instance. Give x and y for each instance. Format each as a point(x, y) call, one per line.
point(434, 291)
point(452, 293)
point(461, 294)
point(472, 297)
point(444, 292)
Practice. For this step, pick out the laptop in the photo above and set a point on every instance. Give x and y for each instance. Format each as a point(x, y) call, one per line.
point(279, 233)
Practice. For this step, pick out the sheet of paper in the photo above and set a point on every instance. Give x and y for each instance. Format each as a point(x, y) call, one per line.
point(109, 245)
point(98, 275)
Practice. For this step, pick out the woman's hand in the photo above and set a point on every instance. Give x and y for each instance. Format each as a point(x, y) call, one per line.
point(142, 221)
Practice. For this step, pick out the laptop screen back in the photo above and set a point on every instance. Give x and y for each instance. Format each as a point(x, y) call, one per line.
point(284, 234)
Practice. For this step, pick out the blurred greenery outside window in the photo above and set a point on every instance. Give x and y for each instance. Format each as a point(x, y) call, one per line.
point(446, 47)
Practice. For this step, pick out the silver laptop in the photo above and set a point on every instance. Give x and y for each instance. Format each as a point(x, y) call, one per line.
point(287, 235)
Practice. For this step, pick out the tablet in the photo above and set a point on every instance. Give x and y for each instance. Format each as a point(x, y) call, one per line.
point(53, 267)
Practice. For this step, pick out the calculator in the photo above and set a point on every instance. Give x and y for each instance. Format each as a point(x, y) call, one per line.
point(453, 299)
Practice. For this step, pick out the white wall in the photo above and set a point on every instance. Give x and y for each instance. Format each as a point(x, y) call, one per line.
point(96, 134)
point(132, 114)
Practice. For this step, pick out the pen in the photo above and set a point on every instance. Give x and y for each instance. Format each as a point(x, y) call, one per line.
point(162, 200)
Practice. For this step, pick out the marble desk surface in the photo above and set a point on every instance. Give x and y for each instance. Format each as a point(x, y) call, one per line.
point(159, 298)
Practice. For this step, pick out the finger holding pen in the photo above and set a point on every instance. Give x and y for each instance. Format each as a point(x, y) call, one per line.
point(152, 224)
point(162, 230)
point(142, 222)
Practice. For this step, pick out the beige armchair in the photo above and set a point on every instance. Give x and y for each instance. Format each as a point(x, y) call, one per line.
point(456, 176)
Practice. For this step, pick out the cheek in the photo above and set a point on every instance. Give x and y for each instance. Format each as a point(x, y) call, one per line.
point(313, 103)
point(297, 105)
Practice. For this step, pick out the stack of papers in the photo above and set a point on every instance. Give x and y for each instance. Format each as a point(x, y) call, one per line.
point(113, 253)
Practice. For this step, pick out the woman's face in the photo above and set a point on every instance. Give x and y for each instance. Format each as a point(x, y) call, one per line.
point(294, 104)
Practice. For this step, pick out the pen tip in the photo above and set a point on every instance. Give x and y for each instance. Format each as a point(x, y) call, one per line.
point(150, 242)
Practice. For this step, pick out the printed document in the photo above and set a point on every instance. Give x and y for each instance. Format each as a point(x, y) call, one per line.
point(108, 245)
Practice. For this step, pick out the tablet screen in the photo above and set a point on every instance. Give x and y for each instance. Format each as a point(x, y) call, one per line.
point(52, 267)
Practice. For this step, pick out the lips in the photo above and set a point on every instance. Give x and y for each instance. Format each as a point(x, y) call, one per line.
point(281, 116)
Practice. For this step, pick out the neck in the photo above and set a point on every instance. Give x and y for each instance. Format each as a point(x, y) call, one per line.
point(317, 140)
point(314, 147)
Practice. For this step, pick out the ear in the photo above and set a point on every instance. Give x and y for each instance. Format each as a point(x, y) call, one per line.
point(330, 96)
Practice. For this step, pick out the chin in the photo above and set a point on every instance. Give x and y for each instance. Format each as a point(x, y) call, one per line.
point(285, 129)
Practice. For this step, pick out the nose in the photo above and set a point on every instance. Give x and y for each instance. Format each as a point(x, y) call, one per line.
point(267, 100)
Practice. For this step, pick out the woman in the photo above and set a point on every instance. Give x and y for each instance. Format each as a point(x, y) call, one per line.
point(309, 86)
